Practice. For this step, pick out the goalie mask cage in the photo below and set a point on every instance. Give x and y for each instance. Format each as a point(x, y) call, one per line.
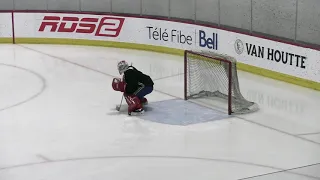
point(210, 75)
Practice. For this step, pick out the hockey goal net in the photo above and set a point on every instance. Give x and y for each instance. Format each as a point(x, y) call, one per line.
point(213, 77)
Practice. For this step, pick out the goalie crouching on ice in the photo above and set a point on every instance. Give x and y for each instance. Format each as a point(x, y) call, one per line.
point(135, 86)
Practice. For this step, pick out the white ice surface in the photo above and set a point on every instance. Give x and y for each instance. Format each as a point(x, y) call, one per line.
point(61, 127)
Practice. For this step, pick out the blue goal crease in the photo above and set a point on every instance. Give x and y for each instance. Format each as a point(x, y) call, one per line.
point(180, 112)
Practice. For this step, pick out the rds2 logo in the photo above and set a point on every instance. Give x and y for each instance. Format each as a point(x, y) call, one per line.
point(98, 26)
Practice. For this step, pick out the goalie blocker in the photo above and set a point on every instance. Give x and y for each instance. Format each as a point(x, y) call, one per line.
point(135, 85)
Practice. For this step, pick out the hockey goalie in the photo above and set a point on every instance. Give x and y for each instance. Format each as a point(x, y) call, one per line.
point(134, 85)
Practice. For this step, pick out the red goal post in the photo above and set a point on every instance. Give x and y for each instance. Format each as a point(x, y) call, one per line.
point(213, 77)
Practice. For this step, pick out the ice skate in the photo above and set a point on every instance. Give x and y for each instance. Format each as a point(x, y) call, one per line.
point(136, 112)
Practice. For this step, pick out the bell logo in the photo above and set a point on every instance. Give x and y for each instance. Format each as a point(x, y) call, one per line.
point(209, 42)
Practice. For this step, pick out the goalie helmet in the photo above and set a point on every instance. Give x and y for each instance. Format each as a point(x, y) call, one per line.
point(122, 67)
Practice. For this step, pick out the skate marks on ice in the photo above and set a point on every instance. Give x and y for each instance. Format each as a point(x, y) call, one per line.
point(176, 112)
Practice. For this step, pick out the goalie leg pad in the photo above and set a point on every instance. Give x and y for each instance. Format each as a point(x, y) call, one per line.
point(133, 103)
point(143, 91)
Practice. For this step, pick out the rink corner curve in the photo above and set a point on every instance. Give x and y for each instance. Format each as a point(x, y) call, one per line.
point(166, 50)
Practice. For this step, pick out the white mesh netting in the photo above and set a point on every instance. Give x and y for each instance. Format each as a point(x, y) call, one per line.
point(207, 76)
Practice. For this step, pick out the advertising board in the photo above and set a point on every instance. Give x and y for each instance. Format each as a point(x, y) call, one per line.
point(115, 28)
point(257, 52)
point(275, 56)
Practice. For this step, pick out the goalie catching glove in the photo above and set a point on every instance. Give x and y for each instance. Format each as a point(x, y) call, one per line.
point(118, 85)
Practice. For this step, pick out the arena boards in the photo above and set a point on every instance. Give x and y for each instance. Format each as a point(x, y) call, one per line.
point(270, 58)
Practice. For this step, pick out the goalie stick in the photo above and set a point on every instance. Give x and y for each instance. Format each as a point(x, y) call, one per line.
point(119, 106)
